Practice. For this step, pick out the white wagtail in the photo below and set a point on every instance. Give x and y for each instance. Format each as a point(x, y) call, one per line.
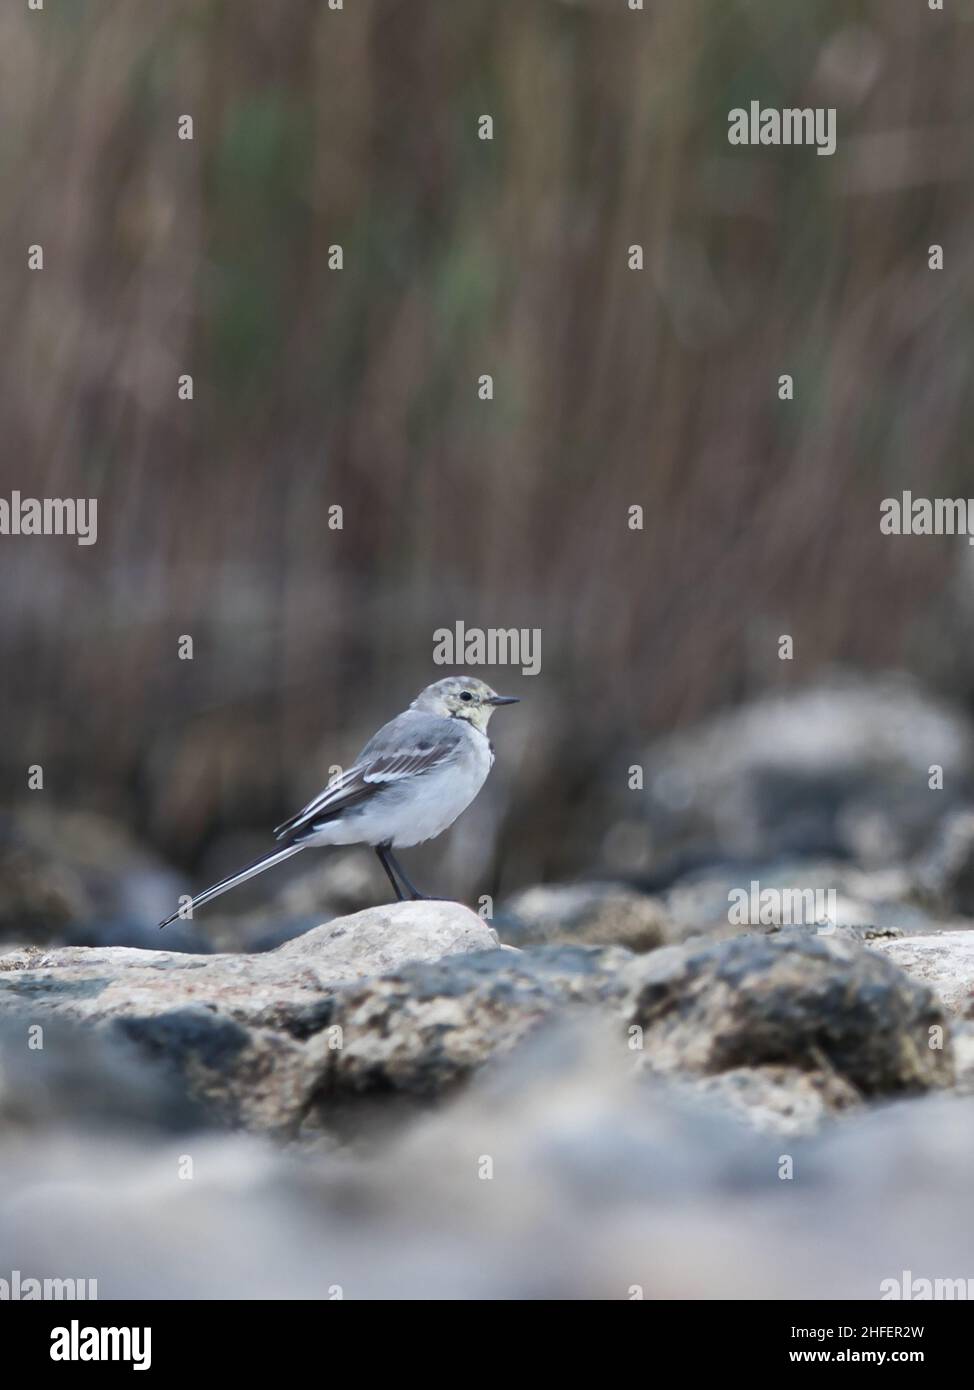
point(408, 784)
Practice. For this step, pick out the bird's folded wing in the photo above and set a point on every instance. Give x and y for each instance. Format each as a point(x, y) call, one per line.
point(384, 761)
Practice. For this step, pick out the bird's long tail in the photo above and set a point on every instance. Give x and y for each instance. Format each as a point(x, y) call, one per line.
point(257, 867)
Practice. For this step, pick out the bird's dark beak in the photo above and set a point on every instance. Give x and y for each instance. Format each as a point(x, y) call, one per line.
point(504, 700)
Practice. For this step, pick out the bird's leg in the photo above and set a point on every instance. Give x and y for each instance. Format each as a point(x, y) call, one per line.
point(384, 856)
point(414, 892)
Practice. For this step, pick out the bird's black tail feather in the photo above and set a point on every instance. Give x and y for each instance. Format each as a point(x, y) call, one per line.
point(257, 867)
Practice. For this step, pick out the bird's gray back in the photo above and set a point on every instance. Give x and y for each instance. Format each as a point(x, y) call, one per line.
point(415, 734)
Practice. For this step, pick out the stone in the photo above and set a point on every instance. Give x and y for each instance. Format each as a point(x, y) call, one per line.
point(944, 875)
point(779, 1100)
point(431, 1025)
point(828, 771)
point(236, 1028)
point(409, 1001)
point(943, 960)
point(74, 876)
point(558, 1174)
point(811, 1002)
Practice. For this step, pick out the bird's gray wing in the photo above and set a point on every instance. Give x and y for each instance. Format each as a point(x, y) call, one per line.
point(408, 746)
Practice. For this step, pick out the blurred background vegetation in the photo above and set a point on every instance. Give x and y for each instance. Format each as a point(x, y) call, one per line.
point(358, 387)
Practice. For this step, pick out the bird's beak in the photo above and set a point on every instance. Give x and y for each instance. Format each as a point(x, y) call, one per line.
point(503, 699)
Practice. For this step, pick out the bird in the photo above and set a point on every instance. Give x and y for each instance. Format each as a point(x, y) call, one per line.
point(409, 783)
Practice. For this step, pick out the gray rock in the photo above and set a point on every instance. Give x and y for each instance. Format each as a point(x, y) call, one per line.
point(944, 875)
point(73, 876)
point(594, 914)
point(942, 960)
point(962, 1036)
point(403, 1001)
point(839, 769)
point(40, 896)
point(780, 1100)
point(857, 903)
point(104, 982)
point(59, 1074)
point(815, 1003)
point(245, 1033)
point(430, 1025)
point(601, 1184)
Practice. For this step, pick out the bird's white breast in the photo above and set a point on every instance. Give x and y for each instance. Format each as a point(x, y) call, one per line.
point(437, 798)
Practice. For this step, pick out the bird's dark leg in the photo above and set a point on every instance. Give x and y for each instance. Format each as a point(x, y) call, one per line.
point(414, 892)
point(384, 856)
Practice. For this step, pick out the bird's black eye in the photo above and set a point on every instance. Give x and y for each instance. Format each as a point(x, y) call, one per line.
point(465, 695)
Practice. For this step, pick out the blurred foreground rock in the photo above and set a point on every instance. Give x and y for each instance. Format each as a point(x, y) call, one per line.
point(602, 1183)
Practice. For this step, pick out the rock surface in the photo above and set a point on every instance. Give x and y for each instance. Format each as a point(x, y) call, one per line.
point(410, 1000)
point(779, 1100)
point(838, 769)
point(97, 983)
point(943, 960)
point(811, 1002)
point(944, 874)
point(430, 1025)
point(245, 1033)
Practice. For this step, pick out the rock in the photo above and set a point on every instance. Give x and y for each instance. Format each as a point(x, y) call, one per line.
point(837, 770)
point(100, 983)
point(962, 1036)
point(430, 1025)
point(808, 1002)
point(60, 1073)
point(246, 1033)
point(40, 897)
point(942, 960)
point(944, 876)
point(780, 1100)
point(73, 876)
point(594, 914)
point(860, 905)
point(405, 1001)
point(603, 1184)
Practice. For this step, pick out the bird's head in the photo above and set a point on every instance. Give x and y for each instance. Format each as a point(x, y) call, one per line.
point(462, 697)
